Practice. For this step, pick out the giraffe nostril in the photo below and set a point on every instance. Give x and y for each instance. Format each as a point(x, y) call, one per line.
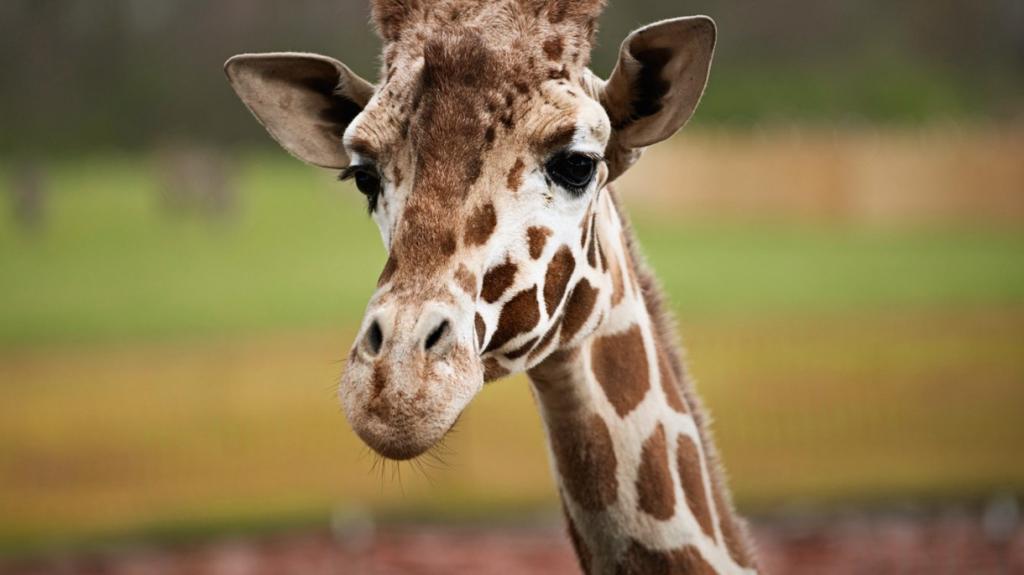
point(435, 336)
point(374, 338)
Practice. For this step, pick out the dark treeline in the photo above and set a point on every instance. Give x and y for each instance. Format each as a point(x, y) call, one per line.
point(122, 74)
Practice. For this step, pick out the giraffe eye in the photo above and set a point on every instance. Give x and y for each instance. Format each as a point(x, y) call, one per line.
point(367, 181)
point(573, 171)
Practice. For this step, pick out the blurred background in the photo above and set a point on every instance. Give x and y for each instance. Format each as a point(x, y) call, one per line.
point(839, 231)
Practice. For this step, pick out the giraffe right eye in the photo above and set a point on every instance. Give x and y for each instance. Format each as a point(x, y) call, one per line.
point(367, 181)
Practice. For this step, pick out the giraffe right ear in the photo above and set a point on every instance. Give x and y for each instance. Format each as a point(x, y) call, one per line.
point(305, 101)
point(656, 85)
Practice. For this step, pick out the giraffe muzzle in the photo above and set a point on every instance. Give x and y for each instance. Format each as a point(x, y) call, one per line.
point(412, 371)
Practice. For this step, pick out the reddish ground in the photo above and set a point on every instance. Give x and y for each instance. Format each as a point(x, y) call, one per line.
point(950, 542)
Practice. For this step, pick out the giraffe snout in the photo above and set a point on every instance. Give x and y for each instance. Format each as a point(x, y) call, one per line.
point(412, 371)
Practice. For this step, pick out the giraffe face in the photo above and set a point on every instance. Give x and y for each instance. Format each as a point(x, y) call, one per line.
point(482, 154)
point(482, 193)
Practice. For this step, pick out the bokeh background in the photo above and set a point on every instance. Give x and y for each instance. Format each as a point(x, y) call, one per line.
point(839, 231)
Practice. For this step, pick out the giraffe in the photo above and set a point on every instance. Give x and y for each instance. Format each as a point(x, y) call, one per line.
point(486, 153)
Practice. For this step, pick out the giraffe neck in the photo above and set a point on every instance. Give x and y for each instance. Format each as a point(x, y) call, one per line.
point(637, 473)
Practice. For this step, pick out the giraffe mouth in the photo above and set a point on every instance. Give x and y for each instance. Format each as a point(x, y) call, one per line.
point(403, 406)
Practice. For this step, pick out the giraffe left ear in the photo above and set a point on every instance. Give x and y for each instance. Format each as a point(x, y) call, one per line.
point(656, 85)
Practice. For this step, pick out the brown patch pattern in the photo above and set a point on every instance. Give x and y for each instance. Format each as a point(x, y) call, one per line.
point(618, 289)
point(481, 330)
point(522, 350)
point(519, 315)
point(493, 370)
point(466, 280)
point(557, 278)
point(639, 560)
point(655, 490)
point(497, 280)
point(688, 462)
point(537, 237)
point(448, 243)
point(586, 461)
point(668, 382)
point(582, 551)
point(515, 175)
point(578, 309)
point(481, 225)
point(553, 48)
point(592, 249)
point(545, 341)
point(620, 366)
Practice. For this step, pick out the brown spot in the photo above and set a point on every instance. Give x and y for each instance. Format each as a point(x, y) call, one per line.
point(519, 315)
point(578, 309)
point(515, 175)
point(582, 552)
point(668, 381)
point(481, 225)
point(639, 560)
point(389, 270)
point(585, 230)
point(545, 341)
point(537, 237)
point(466, 280)
point(522, 350)
point(558, 73)
point(493, 370)
point(557, 278)
point(507, 120)
point(553, 48)
point(618, 289)
point(448, 243)
point(481, 330)
point(586, 461)
point(620, 366)
point(689, 465)
point(655, 490)
point(592, 250)
point(497, 280)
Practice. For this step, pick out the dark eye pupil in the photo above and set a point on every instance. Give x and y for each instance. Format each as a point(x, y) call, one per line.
point(572, 171)
point(368, 183)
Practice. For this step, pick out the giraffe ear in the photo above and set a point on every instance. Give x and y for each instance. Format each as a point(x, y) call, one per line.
point(305, 101)
point(656, 85)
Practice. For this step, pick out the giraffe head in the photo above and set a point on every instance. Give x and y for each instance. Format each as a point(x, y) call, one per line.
point(482, 153)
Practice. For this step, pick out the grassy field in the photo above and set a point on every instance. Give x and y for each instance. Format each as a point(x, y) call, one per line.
point(163, 371)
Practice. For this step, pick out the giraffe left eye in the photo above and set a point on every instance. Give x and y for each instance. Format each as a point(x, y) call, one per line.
point(367, 181)
point(572, 171)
